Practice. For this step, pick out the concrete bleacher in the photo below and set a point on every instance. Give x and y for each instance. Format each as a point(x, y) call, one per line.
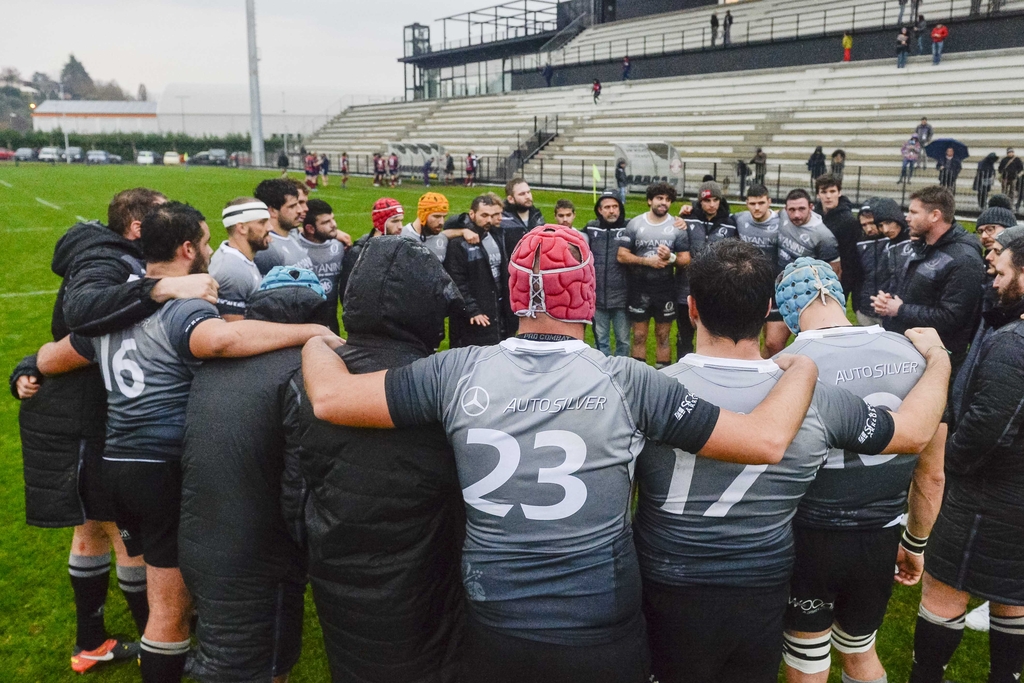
point(867, 108)
point(754, 20)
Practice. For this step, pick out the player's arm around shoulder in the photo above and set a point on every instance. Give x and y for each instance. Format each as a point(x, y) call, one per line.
point(762, 436)
point(919, 415)
point(60, 357)
point(339, 397)
point(210, 336)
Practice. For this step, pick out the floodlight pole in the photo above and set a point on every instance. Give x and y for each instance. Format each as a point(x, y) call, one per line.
point(255, 115)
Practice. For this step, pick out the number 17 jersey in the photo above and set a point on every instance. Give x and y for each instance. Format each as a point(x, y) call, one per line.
point(545, 434)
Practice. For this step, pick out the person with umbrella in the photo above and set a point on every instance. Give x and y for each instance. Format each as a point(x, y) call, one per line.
point(949, 155)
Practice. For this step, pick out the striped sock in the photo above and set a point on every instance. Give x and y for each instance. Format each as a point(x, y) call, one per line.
point(90, 578)
point(1005, 648)
point(935, 641)
point(132, 581)
point(162, 662)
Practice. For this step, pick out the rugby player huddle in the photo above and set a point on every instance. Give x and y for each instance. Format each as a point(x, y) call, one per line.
point(469, 515)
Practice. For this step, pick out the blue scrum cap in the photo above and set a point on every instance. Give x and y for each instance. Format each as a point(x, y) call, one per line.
point(290, 276)
point(801, 282)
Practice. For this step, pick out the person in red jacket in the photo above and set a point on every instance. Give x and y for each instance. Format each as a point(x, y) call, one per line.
point(939, 35)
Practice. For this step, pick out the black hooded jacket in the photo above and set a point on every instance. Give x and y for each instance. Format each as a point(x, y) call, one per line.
point(846, 229)
point(612, 277)
point(386, 516)
point(242, 534)
point(940, 285)
point(470, 269)
point(65, 422)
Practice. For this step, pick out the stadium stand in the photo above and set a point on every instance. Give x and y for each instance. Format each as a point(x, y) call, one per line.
point(754, 21)
point(866, 108)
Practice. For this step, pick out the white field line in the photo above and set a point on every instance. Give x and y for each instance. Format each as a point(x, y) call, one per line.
point(8, 295)
point(7, 230)
point(46, 203)
point(5, 183)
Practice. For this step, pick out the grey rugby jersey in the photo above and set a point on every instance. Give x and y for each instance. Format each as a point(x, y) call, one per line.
point(324, 259)
point(147, 371)
point(706, 522)
point(283, 251)
point(764, 236)
point(853, 489)
point(545, 435)
point(813, 239)
point(436, 244)
point(237, 277)
point(642, 238)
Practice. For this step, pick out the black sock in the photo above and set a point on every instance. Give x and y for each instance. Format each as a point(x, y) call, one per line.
point(90, 578)
point(162, 662)
point(935, 641)
point(1005, 648)
point(132, 581)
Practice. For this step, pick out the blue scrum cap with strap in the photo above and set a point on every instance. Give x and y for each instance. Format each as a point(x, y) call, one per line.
point(290, 276)
point(801, 283)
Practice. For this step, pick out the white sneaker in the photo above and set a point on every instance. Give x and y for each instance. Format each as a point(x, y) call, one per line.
point(977, 619)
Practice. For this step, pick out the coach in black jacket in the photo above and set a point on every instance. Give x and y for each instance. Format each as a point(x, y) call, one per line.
point(975, 547)
point(242, 536)
point(472, 268)
point(386, 514)
point(940, 284)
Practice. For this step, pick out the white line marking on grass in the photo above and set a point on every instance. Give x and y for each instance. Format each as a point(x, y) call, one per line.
point(46, 203)
point(7, 230)
point(5, 183)
point(8, 295)
point(82, 219)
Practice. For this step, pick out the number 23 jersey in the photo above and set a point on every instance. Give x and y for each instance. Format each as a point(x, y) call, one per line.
point(545, 435)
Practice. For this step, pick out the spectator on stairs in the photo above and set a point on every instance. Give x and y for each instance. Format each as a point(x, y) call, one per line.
point(902, 47)
point(847, 45)
point(939, 35)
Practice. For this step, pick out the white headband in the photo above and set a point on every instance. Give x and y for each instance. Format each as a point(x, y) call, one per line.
point(243, 213)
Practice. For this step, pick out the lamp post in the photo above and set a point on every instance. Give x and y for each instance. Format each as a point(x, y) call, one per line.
point(255, 115)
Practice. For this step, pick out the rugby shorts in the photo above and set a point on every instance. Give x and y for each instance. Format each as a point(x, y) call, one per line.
point(712, 634)
point(652, 300)
point(146, 500)
point(842, 576)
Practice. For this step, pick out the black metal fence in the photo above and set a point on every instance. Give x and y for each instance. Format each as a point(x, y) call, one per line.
point(970, 187)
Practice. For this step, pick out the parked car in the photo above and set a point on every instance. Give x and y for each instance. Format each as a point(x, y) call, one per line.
point(6, 154)
point(97, 156)
point(146, 158)
point(200, 159)
point(219, 157)
point(75, 154)
point(24, 154)
point(51, 154)
point(171, 158)
point(240, 159)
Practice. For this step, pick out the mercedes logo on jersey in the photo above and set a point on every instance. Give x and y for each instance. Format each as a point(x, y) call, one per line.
point(475, 401)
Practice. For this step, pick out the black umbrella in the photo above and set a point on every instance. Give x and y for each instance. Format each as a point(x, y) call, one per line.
point(936, 149)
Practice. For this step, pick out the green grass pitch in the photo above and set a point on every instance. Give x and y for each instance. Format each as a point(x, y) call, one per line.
point(37, 204)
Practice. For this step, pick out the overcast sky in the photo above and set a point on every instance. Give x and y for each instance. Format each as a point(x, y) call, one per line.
point(350, 44)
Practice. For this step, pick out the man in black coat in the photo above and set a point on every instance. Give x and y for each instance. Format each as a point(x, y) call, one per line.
point(976, 545)
point(63, 420)
point(385, 513)
point(476, 269)
point(940, 284)
point(241, 543)
point(836, 213)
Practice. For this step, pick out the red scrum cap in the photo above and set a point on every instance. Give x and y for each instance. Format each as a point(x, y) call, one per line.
point(552, 271)
point(383, 209)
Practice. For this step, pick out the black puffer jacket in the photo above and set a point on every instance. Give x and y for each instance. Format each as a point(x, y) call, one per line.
point(612, 277)
point(242, 535)
point(846, 229)
point(386, 514)
point(940, 286)
point(872, 255)
point(469, 267)
point(65, 422)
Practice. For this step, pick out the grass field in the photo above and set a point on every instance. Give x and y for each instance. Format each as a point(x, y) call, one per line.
point(37, 204)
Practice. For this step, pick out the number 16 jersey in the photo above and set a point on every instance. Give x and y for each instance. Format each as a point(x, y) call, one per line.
point(545, 434)
point(147, 371)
